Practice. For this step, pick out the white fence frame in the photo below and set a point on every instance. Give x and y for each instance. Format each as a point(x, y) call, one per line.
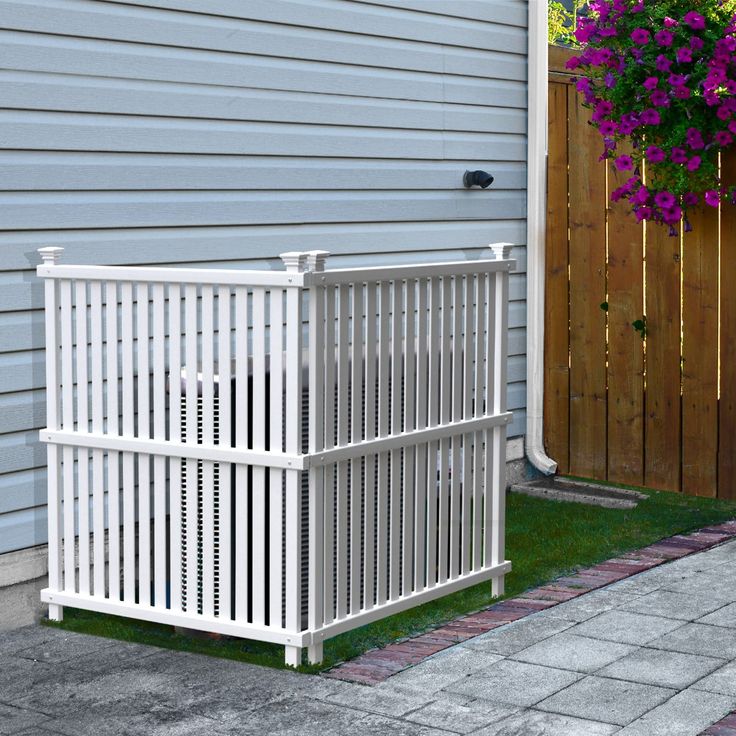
point(404, 463)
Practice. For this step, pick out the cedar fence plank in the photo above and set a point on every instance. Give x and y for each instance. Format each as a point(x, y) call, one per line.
point(625, 346)
point(556, 331)
point(587, 215)
point(727, 399)
point(700, 355)
point(663, 405)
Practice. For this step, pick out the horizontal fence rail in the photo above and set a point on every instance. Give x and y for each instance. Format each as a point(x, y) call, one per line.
point(280, 456)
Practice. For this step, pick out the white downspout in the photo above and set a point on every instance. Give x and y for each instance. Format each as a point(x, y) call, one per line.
point(536, 209)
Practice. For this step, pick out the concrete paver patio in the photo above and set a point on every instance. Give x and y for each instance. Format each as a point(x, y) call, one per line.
point(651, 655)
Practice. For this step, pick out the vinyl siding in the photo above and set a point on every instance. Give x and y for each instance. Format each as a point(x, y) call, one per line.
point(201, 133)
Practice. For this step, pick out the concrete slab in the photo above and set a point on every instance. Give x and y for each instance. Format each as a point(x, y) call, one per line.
point(591, 604)
point(578, 653)
point(534, 723)
point(515, 683)
point(685, 714)
point(709, 641)
point(461, 713)
point(721, 681)
point(659, 667)
point(669, 604)
point(626, 627)
point(519, 635)
point(13, 720)
point(606, 700)
point(724, 616)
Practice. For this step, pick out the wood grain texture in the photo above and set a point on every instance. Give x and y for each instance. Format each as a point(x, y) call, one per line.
point(700, 355)
point(662, 426)
point(727, 393)
point(625, 346)
point(587, 292)
point(556, 327)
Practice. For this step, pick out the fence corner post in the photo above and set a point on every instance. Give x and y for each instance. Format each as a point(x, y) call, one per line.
point(50, 254)
point(501, 251)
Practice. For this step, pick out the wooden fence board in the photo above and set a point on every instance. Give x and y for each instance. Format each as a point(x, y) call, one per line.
point(556, 332)
point(662, 428)
point(625, 346)
point(700, 355)
point(727, 401)
point(587, 291)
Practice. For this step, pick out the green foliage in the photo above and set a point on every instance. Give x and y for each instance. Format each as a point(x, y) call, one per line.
point(640, 325)
point(545, 539)
point(561, 22)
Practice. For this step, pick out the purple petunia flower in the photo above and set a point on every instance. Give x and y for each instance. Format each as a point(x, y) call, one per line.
point(655, 154)
point(712, 198)
point(651, 83)
point(662, 63)
point(664, 38)
point(650, 117)
point(664, 199)
point(624, 163)
point(690, 199)
point(695, 139)
point(693, 164)
point(684, 55)
point(640, 197)
point(671, 215)
point(723, 138)
point(640, 36)
point(696, 43)
point(573, 62)
point(670, 22)
point(682, 93)
point(659, 98)
point(694, 20)
point(678, 155)
point(607, 127)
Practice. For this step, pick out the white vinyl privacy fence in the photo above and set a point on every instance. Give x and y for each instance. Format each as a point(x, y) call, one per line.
point(275, 455)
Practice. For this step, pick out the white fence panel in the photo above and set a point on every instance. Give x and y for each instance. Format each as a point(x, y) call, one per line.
point(280, 456)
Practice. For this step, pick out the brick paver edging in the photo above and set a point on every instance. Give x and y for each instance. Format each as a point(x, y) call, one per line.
point(378, 665)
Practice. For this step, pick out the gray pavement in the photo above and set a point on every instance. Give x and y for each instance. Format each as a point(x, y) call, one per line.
point(651, 655)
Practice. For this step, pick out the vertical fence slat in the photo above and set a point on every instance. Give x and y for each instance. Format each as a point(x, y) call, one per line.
point(191, 496)
point(81, 362)
point(700, 354)
point(240, 512)
point(444, 444)
point(480, 336)
point(727, 387)
point(224, 394)
point(457, 415)
point(356, 427)
point(343, 435)
point(420, 422)
point(625, 347)
point(144, 460)
point(467, 412)
point(395, 490)
point(98, 413)
point(662, 423)
point(258, 490)
point(113, 428)
point(556, 287)
point(208, 467)
point(382, 521)
point(587, 292)
point(433, 419)
point(176, 464)
point(329, 475)
point(490, 407)
point(409, 412)
point(369, 528)
point(159, 433)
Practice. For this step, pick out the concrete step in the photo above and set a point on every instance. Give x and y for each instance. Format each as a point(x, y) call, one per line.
point(594, 494)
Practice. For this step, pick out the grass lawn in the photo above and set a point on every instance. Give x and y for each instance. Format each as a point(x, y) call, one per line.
point(545, 539)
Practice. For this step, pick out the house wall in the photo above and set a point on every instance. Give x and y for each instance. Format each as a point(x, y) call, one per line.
point(186, 131)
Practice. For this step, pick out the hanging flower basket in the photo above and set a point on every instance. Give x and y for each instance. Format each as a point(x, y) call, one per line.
point(661, 76)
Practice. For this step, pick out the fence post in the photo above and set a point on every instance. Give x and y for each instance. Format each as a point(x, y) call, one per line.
point(296, 262)
point(50, 256)
point(501, 252)
point(316, 263)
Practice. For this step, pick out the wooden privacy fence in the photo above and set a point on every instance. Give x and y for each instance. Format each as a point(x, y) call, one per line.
point(276, 455)
point(658, 411)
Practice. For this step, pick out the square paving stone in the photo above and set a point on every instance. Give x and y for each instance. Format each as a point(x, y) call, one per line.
point(19, 676)
point(29, 636)
point(14, 719)
point(716, 585)
point(386, 698)
point(534, 723)
point(519, 635)
point(721, 681)
point(591, 604)
point(606, 700)
point(460, 713)
point(66, 648)
point(516, 683)
point(668, 604)
point(579, 653)
point(708, 641)
point(442, 669)
point(626, 627)
point(724, 616)
point(660, 667)
point(685, 714)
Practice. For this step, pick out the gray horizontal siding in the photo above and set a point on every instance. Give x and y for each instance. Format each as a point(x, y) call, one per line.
point(192, 133)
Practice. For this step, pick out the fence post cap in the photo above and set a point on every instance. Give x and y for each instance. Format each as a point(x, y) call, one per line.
point(50, 254)
point(294, 260)
point(316, 259)
point(501, 251)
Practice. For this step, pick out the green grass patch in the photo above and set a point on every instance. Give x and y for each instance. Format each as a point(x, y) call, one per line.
point(545, 539)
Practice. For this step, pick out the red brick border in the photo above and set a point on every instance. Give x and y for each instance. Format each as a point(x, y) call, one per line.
point(378, 665)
